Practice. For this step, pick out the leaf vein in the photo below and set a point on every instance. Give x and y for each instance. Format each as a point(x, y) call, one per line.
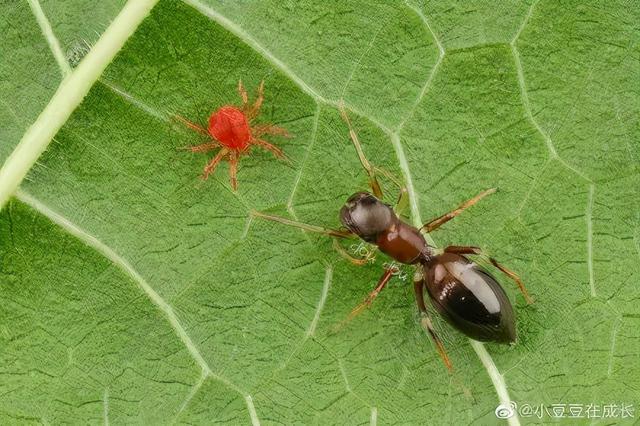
point(589, 218)
point(153, 296)
point(50, 36)
point(485, 358)
point(68, 96)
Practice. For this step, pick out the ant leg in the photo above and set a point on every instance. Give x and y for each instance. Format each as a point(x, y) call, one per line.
point(193, 126)
point(403, 200)
point(334, 233)
point(403, 196)
point(209, 168)
point(373, 181)
point(508, 272)
point(271, 148)
point(243, 95)
point(402, 203)
point(255, 108)
point(382, 282)
point(439, 221)
point(233, 170)
point(355, 260)
point(311, 228)
point(425, 319)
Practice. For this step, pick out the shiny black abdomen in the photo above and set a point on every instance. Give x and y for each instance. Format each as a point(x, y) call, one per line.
point(470, 299)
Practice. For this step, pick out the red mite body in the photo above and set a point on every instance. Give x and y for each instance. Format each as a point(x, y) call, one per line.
point(229, 126)
point(232, 133)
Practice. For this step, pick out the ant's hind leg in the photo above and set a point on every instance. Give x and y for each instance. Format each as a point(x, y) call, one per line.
point(439, 221)
point(373, 180)
point(425, 319)
point(508, 272)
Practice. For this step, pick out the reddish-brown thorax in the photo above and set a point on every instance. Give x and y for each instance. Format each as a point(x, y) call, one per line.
point(229, 126)
point(404, 243)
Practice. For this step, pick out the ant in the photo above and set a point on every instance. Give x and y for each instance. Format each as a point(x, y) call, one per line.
point(230, 129)
point(465, 294)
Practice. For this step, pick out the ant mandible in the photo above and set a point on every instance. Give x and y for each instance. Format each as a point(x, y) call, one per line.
point(464, 293)
point(230, 129)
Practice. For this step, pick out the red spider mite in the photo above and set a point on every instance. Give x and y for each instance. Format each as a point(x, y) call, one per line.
point(232, 132)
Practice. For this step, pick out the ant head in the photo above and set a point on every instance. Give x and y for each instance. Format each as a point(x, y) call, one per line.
point(366, 216)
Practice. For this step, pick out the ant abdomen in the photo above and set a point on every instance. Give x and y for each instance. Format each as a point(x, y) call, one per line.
point(469, 298)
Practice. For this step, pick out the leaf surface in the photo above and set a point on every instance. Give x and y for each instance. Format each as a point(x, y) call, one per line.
point(135, 293)
point(29, 71)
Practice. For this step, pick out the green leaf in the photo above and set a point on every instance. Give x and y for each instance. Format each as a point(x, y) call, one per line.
point(133, 292)
point(38, 38)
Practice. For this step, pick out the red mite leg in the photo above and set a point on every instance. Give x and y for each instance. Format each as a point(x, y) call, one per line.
point(384, 280)
point(425, 320)
point(503, 269)
point(243, 95)
point(269, 129)
point(209, 168)
point(373, 181)
point(437, 222)
point(233, 169)
point(255, 108)
point(191, 125)
point(271, 148)
point(202, 147)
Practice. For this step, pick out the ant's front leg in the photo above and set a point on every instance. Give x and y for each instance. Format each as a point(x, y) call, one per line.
point(425, 319)
point(335, 233)
point(508, 272)
point(439, 221)
point(368, 257)
point(403, 197)
point(373, 180)
point(372, 171)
